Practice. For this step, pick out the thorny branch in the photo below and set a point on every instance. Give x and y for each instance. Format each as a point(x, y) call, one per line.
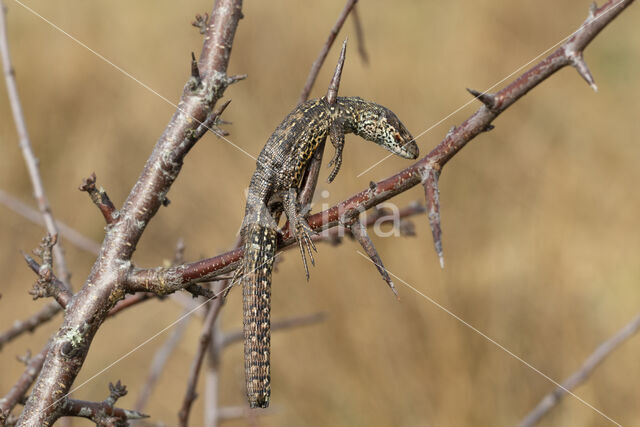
point(113, 274)
point(312, 171)
point(419, 172)
point(580, 376)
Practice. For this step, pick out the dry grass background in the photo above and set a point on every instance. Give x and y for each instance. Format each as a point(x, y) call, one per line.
point(540, 215)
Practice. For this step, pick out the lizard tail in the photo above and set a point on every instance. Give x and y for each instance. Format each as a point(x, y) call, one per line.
point(259, 253)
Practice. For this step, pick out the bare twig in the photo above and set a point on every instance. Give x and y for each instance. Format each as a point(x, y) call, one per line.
point(100, 198)
point(194, 372)
point(388, 188)
point(362, 51)
point(310, 179)
point(317, 64)
point(30, 324)
point(47, 284)
point(19, 389)
point(70, 234)
point(160, 360)
point(27, 150)
point(580, 376)
point(103, 413)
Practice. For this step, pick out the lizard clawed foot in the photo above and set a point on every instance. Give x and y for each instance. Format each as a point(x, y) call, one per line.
point(303, 234)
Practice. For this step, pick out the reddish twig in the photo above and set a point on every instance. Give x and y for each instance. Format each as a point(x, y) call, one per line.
point(402, 181)
point(100, 198)
point(26, 148)
point(586, 370)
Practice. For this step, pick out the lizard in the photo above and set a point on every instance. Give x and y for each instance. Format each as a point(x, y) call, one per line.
point(274, 189)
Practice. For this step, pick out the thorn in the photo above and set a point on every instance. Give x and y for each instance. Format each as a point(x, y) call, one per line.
point(487, 99)
point(195, 72)
point(222, 108)
point(332, 92)
point(488, 128)
point(432, 195)
point(592, 10)
point(359, 231)
point(236, 78)
point(577, 61)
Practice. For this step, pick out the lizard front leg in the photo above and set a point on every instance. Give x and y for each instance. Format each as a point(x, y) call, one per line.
point(336, 134)
point(299, 227)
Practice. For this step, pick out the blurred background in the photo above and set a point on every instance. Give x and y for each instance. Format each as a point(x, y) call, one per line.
point(540, 216)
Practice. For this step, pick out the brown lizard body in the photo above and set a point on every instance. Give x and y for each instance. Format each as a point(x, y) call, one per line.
point(274, 189)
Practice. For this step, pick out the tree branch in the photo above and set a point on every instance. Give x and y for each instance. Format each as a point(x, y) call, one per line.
point(100, 198)
point(310, 179)
point(25, 147)
point(402, 181)
point(194, 372)
point(586, 370)
point(106, 283)
point(70, 234)
point(317, 64)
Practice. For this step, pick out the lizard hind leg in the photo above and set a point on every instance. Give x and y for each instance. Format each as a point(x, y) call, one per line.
point(300, 229)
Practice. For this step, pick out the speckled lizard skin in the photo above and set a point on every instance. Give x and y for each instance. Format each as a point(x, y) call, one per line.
point(274, 189)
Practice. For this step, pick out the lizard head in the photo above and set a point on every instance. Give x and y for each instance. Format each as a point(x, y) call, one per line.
point(382, 126)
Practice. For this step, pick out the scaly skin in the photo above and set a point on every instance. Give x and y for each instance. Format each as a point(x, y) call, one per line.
point(274, 189)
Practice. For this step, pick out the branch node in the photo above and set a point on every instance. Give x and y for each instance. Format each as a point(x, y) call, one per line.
point(332, 92)
point(488, 99)
point(26, 358)
point(47, 284)
point(201, 22)
point(116, 391)
point(100, 198)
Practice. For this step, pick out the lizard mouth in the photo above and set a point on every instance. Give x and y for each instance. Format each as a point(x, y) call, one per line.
point(405, 147)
